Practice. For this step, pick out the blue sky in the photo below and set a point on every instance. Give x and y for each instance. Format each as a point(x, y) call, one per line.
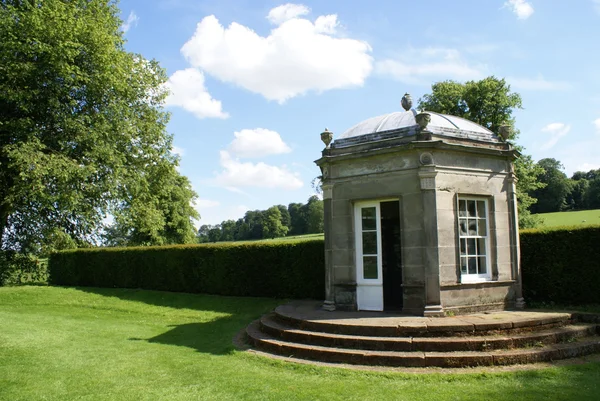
point(253, 83)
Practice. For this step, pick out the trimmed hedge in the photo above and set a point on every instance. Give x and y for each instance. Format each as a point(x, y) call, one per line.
point(282, 269)
point(561, 265)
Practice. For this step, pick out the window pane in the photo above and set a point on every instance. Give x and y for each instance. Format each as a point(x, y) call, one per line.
point(463, 227)
point(369, 218)
point(482, 265)
point(463, 265)
point(462, 208)
point(481, 229)
point(481, 247)
point(471, 246)
point(463, 246)
point(369, 242)
point(471, 208)
point(481, 209)
point(370, 267)
point(472, 265)
point(472, 227)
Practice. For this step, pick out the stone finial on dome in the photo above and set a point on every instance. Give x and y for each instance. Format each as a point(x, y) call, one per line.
point(326, 137)
point(406, 102)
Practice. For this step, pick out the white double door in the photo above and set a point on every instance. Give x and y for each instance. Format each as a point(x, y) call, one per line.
point(369, 266)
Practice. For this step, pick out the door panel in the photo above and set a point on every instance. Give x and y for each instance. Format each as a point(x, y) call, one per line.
point(369, 292)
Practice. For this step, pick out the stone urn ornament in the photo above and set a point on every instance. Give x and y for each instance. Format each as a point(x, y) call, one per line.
point(504, 132)
point(406, 102)
point(326, 137)
point(423, 119)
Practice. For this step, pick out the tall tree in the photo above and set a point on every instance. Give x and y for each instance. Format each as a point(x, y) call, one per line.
point(286, 219)
point(490, 103)
point(81, 125)
point(592, 195)
point(272, 227)
point(314, 215)
point(254, 220)
point(553, 197)
point(298, 219)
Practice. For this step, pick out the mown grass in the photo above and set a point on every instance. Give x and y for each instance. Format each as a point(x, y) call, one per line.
point(114, 344)
point(578, 218)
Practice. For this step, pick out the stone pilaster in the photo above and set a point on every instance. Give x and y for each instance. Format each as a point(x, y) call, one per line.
point(329, 303)
point(431, 261)
point(514, 241)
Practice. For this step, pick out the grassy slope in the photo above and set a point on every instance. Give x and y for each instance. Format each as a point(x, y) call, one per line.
point(112, 344)
point(582, 217)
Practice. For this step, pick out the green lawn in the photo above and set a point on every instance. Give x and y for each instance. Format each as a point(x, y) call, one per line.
point(579, 218)
point(113, 344)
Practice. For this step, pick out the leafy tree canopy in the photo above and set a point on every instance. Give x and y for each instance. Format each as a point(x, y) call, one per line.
point(553, 197)
point(490, 103)
point(82, 130)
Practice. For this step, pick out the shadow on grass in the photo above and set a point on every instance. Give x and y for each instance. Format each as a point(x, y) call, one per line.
point(213, 335)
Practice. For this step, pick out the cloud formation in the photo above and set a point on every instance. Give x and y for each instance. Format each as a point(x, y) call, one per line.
point(538, 84)
point(285, 12)
point(236, 174)
point(132, 21)
point(423, 66)
point(258, 142)
point(596, 123)
point(297, 56)
point(555, 132)
point(187, 90)
point(521, 8)
point(206, 203)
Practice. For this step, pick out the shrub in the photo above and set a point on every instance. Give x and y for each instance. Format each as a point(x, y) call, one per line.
point(282, 269)
point(561, 265)
point(18, 268)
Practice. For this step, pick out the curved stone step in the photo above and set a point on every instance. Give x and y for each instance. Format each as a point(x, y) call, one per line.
point(267, 343)
point(307, 316)
point(270, 325)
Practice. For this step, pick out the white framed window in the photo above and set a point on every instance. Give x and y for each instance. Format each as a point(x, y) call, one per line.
point(368, 242)
point(474, 240)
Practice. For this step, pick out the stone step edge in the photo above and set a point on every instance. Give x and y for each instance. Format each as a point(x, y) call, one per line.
point(410, 344)
point(488, 328)
point(268, 344)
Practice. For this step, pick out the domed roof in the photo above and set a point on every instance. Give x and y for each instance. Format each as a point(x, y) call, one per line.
point(403, 123)
point(404, 119)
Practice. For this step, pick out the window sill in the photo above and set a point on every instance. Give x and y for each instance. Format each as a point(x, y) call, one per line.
point(477, 284)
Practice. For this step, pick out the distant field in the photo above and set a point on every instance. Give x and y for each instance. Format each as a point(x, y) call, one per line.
point(299, 237)
point(583, 217)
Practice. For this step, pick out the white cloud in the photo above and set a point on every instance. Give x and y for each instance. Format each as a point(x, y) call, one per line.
point(206, 203)
point(596, 123)
point(237, 174)
point(521, 8)
point(539, 83)
point(587, 167)
point(423, 66)
point(187, 90)
point(132, 21)
point(257, 142)
point(297, 56)
point(555, 131)
point(285, 12)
